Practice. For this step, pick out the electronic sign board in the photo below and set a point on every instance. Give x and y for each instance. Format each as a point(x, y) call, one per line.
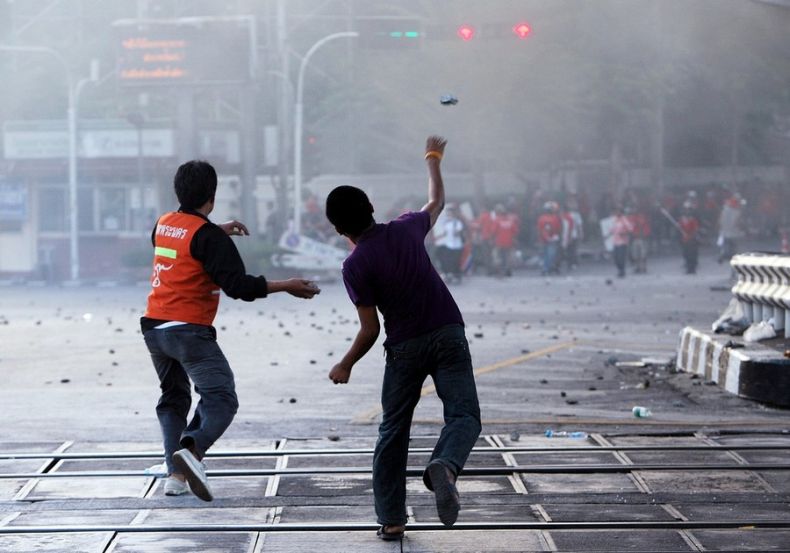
point(190, 51)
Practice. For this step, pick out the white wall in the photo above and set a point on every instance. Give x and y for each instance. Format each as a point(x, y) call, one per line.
point(18, 250)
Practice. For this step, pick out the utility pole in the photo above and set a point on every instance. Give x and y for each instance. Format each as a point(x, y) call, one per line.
point(657, 129)
point(249, 137)
point(283, 119)
point(298, 124)
point(352, 118)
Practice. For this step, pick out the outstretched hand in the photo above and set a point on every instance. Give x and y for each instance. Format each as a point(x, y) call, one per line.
point(234, 228)
point(301, 288)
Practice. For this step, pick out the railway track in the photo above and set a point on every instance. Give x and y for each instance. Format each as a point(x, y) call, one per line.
point(328, 492)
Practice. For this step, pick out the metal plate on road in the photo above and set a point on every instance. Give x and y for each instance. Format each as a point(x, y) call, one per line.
point(89, 488)
point(632, 540)
point(9, 489)
point(53, 543)
point(757, 539)
point(184, 543)
point(705, 482)
point(579, 483)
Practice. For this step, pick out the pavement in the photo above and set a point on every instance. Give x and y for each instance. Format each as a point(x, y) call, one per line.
point(707, 471)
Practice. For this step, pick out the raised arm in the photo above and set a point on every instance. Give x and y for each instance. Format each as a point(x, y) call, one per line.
point(434, 151)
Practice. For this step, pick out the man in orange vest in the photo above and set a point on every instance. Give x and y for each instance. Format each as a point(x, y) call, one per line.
point(193, 260)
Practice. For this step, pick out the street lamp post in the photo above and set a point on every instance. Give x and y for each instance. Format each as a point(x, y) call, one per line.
point(298, 121)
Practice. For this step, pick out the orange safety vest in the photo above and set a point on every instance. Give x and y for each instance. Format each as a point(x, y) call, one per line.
point(181, 290)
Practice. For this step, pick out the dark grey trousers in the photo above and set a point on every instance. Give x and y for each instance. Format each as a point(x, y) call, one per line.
point(180, 354)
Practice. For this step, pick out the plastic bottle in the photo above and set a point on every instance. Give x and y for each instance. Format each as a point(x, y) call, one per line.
point(641, 412)
point(563, 434)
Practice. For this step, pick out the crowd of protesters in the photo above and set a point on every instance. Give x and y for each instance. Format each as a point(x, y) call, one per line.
point(551, 231)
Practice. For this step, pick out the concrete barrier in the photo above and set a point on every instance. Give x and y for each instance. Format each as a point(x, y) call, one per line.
point(753, 371)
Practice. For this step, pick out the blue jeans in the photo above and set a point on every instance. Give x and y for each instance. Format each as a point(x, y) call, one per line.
point(181, 353)
point(443, 354)
point(550, 257)
point(620, 256)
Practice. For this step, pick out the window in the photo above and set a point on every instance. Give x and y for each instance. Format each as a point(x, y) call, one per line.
point(106, 209)
point(87, 219)
point(52, 208)
point(112, 209)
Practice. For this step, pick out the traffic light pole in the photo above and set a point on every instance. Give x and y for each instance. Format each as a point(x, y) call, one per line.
point(298, 124)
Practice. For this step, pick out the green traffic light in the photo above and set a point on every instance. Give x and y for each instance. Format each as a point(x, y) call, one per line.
point(407, 34)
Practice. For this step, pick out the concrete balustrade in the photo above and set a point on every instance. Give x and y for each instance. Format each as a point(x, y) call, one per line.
point(763, 288)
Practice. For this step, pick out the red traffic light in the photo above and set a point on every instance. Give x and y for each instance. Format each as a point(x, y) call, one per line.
point(466, 32)
point(522, 30)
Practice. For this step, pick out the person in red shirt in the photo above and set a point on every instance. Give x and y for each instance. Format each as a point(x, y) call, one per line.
point(689, 228)
point(769, 209)
point(621, 236)
point(639, 238)
point(483, 237)
point(505, 231)
point(549, 232)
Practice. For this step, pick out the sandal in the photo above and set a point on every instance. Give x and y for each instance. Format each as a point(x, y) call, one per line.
point(383, 534)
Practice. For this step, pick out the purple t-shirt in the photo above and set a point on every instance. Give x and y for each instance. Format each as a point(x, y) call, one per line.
point(390, 269)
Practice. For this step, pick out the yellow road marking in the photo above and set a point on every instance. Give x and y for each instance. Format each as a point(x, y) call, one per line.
point(371, 414)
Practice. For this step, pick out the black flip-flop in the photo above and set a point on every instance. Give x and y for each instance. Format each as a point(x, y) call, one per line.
point(447, 500)
point(389, 536)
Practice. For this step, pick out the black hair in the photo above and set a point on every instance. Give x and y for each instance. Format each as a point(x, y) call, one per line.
point(195, 183)
point(349, 210)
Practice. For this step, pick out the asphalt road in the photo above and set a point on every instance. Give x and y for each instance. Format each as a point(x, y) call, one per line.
point(564, 353)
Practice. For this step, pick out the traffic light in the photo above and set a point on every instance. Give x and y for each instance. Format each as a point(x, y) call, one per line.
point(466, 32)
point(481, 31)
point(522, 30)
point(389, 33)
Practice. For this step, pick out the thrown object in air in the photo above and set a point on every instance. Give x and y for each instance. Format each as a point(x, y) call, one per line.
point(448, 100)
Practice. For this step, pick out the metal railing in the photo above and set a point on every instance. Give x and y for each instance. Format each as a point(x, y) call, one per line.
point(763, 288)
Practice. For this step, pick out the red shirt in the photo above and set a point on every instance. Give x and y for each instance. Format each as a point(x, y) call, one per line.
point(689, 225)
point(505, 230)
point(549, 227)
point(641, 225)
point(487, 225)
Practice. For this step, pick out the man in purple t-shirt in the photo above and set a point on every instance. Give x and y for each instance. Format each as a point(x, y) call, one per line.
point(389, 269)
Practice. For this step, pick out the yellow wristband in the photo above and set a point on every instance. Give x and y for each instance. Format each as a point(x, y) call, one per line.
point(434, 153)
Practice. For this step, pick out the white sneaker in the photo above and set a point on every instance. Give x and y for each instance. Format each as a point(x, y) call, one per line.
point(160, 471)
point(174, 486)
point(195, 473)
